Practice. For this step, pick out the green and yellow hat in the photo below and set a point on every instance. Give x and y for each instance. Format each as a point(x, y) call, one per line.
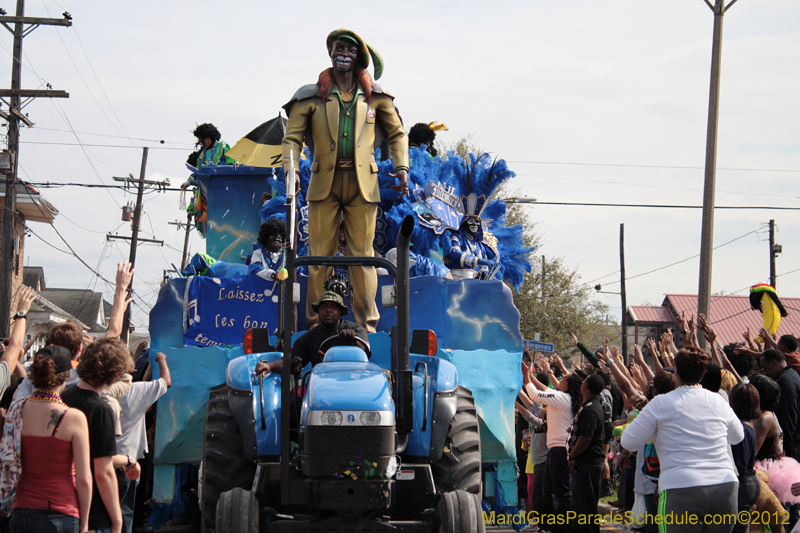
point(364, 49)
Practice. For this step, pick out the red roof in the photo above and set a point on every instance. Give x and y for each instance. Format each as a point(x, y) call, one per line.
point(650, 313)
point(730, 316)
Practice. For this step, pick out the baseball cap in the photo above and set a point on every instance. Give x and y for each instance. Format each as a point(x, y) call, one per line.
point(60, 356)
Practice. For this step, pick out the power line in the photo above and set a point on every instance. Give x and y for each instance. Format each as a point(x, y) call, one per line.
point(82, 78)
point(629, 184)
point(766, 280)
point(102, 145)
point(661, 206)
point(648, 166)
point(74, 253)
point(682, 260)
point(158, 141)
point(85, 153)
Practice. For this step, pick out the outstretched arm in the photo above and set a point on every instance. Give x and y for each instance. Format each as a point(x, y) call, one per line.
point(648, 372)
point(651, 345)
point(13, 353)
point(587, 353)
point(711, 337)
point(121, 300)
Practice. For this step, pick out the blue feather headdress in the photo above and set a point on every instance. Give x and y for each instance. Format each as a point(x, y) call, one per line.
point(477, 177)
point(473, 180)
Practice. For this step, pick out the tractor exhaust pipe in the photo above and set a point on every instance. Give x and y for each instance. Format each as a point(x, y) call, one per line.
point(404, 393)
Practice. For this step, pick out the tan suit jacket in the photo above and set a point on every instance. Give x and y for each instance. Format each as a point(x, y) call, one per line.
point(308, 110)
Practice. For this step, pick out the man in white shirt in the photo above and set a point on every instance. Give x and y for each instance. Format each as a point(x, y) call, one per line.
point(133, 441)
point(561, 410)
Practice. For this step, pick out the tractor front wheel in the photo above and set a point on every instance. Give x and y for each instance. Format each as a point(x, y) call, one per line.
point(224, 464)
point(459, 512)
point(460, 465)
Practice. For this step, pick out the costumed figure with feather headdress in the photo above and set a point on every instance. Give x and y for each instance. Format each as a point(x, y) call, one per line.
point(473, 252)
point(457, 216)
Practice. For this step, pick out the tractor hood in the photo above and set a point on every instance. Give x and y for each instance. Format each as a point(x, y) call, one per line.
point(350, 387)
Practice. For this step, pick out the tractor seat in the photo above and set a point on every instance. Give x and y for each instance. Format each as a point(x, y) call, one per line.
point(352, 354)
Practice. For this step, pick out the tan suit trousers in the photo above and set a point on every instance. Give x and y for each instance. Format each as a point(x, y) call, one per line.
point(359, 226)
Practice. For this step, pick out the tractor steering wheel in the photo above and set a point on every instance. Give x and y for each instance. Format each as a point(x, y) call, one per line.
point(337, 340)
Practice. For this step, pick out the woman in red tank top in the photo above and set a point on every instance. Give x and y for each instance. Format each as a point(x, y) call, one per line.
point(55, 484)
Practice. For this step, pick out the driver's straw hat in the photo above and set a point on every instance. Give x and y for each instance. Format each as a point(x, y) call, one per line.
point(330, 296)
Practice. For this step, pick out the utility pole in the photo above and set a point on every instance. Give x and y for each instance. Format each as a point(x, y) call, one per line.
point(134, 238)
point(543, 260)
point(774, 250)
point(622, 293)
point(188, 226)
point(14, 117)
point(707, 236)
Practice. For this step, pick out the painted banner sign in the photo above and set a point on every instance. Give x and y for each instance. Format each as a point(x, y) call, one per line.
point(219, 311)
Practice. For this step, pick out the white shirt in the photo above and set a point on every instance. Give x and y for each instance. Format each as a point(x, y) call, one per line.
point(142, 395)
point(5, 377)
point(559, 415)
point(26, 388)
point(691, 429)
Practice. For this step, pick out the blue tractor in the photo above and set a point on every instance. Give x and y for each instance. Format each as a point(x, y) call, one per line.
point(373, 449)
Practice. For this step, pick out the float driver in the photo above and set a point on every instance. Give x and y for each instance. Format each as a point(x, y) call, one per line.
point(331, 331)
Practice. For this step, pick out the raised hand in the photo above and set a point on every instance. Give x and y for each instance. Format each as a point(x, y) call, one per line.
point(682, 321)
point(651, 345)
point(603, 356)
point(574, 339)
point(26, 297)
point(711, 335)
point(636, 372)
point(543, 364)
point(637, 354)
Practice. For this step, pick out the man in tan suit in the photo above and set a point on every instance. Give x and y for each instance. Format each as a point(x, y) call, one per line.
point(337, 117)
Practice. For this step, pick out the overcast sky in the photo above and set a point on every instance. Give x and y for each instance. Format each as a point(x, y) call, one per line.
point(588, 101)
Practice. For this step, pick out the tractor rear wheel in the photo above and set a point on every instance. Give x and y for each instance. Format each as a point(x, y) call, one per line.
point(459, 512)
point(224, 464)
point(460, 465)
point(237, 511)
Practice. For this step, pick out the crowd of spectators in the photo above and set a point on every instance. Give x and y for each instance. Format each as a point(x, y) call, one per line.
point(712, 434)
point(74, 435)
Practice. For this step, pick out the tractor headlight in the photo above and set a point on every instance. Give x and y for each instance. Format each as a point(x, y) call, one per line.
point(370, 418)
point(331, 418)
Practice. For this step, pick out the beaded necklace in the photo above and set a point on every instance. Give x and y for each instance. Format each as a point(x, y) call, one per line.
point(90, 386)
point(43, 395)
